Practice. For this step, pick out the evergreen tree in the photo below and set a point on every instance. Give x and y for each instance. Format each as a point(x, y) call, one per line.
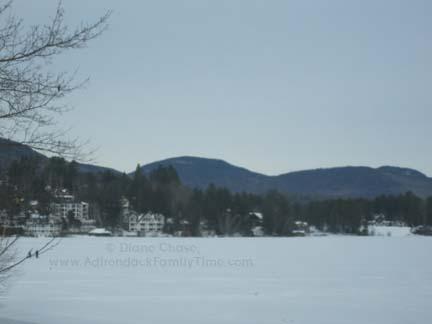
point(428, 212)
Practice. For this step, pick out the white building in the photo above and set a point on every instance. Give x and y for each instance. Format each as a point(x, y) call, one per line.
point(301, 228)
point(40, 225)
point(49, 229)
point(145, 224)
point(66, 205)
point(80, 210)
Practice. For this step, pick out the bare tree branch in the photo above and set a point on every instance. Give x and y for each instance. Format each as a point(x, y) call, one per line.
point(29, 95)
point(8, 263)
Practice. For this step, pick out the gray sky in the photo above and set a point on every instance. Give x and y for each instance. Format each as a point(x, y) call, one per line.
point(273, 86)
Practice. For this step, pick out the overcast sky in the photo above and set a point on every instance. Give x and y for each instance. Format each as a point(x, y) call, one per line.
point(273, 86)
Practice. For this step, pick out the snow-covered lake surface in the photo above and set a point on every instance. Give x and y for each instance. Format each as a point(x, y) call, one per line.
point(334, 279)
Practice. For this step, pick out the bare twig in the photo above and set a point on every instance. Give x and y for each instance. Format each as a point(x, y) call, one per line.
point(7, 263)
point(29, 95)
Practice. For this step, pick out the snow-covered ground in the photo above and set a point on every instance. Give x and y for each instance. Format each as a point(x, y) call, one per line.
point(379, 230)
point(333, 279)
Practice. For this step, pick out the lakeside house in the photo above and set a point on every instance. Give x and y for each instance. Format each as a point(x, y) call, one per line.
point(301, 228)
point(66, 205)
point(143, 224)
point(38, 225)
point(64, 215)
point(76, 213)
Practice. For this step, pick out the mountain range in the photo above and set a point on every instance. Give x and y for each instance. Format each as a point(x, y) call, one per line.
point(196, 172)
point(332, 182)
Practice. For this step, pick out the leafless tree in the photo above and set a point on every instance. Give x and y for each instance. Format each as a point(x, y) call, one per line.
point(30, 95)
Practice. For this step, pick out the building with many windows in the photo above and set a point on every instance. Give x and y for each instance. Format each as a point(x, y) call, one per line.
point(148, 224)
point(66, 205)
point(41, 225)
point(80, 210)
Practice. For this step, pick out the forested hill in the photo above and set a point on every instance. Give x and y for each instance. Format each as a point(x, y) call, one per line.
point(334, 182)
point(355, 182)
point(11, 151)
point(198, 172)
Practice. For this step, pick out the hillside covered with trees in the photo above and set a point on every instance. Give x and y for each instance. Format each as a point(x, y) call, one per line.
point(192, 210)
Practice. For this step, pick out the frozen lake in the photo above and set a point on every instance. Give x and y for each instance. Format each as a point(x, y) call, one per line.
point(335, 279)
